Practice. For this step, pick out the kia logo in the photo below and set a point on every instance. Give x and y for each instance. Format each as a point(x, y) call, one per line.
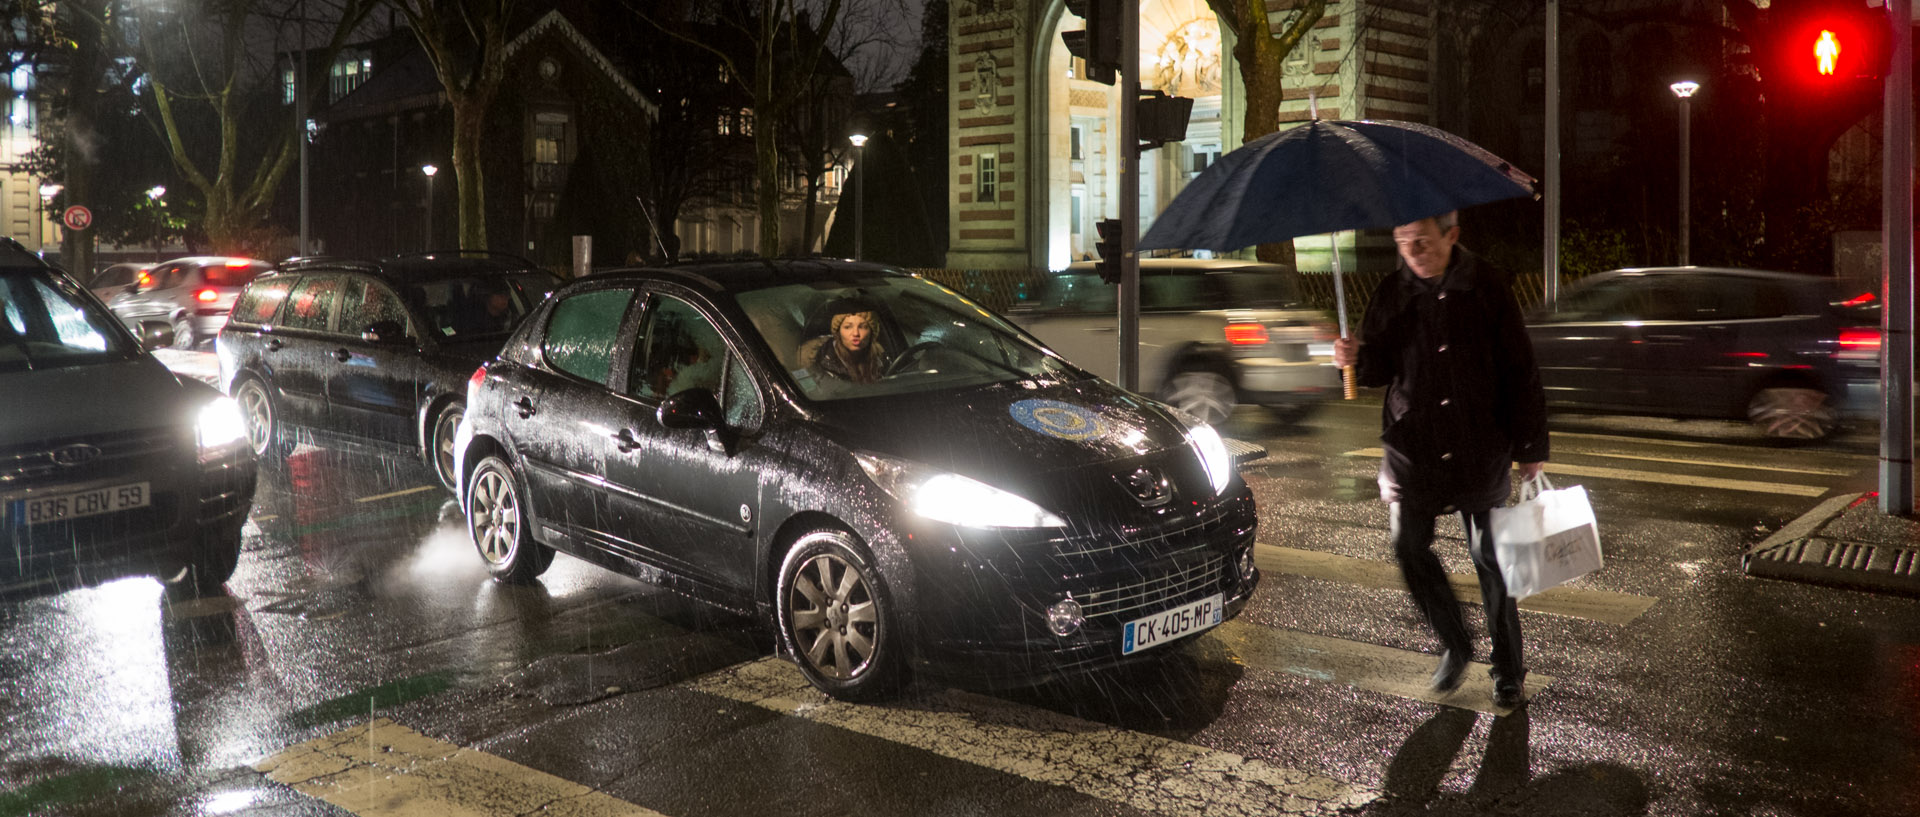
point(1147, 486)
point(80, 454)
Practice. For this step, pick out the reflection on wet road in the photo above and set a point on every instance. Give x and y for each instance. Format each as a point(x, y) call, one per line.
point(361, 618)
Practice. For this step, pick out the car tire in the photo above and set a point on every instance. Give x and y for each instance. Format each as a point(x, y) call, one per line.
point(836, 618)
point(440, 452)
point(215, 556)
point(183, 337)
point(1792, 413)
point(497, 523)
point(256, 406)
point(1203, 393)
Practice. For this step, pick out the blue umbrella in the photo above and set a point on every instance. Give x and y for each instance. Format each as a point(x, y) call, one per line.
point(1328, 176)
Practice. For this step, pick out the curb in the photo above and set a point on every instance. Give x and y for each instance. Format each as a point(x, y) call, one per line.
point(1797, 552)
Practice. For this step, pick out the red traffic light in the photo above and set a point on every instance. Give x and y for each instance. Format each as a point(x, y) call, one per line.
point(1838, 43)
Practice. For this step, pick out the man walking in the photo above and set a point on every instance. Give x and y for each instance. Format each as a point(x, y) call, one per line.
point(1463, 404)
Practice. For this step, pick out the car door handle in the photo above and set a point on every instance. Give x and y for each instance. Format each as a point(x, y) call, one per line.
point(523, 407)
point(274, 344)
point(625, 441)
point(342, 355)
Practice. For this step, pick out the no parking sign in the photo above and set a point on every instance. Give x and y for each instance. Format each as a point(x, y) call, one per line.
point(77, 218)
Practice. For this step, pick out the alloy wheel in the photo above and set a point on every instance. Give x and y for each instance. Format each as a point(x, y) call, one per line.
point(494, 513)
point(1206, 395)
point(1792, 413)
point(444, 429)
point(835, 622)
point(257, 407)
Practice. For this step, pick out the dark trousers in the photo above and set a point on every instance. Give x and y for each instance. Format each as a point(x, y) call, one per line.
point(1426, 579)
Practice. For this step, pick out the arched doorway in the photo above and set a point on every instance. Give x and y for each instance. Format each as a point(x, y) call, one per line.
point(1184, 52)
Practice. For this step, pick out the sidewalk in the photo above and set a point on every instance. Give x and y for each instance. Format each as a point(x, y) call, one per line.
point(1847, 541)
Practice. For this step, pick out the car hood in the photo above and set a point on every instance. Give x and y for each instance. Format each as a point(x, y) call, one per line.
point(1011, 434)
point(83, 400)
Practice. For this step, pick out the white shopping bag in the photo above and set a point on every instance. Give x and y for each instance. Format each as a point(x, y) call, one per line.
point(1546, 540)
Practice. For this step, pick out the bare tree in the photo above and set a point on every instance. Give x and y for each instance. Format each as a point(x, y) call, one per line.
point(864, 48)
point(787, 43)
point(466, 42)
point(688, 161)
point(211, 60)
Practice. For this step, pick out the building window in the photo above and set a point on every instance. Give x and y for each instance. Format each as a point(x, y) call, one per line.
point(745, 118)
point(348, 71)
point(286, 86)
point(1073, 220)
point(1073, 139)
point(987, 174)
point(549, 138)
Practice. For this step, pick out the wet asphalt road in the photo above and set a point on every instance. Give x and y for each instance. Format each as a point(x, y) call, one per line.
point(362, 623)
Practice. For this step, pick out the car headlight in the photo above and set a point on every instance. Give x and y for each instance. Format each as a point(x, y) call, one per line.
point(1213, 455)
point(220, 425)
point(954, 499)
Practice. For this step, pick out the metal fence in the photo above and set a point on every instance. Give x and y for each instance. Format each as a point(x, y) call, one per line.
point(998, 289)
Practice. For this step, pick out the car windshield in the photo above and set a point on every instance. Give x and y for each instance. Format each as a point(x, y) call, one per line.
point(481, 305)
point(889, 335)
point(42, 326)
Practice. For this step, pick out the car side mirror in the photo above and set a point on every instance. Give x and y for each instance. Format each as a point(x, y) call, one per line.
point(696, 408)
point(155, 335)
point(388, 332)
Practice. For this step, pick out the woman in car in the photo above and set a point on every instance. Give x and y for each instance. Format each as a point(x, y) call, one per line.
point(851, 349)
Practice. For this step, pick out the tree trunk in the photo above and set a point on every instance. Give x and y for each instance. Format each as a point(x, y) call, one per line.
point(469, 123)
point(83, 103)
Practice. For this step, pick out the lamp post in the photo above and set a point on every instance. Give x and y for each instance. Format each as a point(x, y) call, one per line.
point(1684, 90)
point(859, 141)
point(157, 194)
point(426, 241)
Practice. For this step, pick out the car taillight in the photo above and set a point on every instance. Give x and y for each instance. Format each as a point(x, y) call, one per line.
point(479, 376)
point(206, 296)
point(236, 263)
point(1859, 343)
point(1861, 299)
point(1246, 334)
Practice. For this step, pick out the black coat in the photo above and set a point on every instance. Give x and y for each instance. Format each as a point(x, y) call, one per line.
point(1464, 400)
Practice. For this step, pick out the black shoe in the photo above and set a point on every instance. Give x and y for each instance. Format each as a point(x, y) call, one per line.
point(1508, 694)
point(1453, 670)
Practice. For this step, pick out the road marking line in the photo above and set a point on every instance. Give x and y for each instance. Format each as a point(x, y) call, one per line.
point(1786, 489)
point(378, 497)
point(383, 769)
point(1604, 606)
point(1833, 472)
point(1371, 667)
point(1118, 765)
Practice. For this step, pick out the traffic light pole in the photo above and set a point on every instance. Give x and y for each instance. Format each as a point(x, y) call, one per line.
point(1129, 194)
point(1896, 314)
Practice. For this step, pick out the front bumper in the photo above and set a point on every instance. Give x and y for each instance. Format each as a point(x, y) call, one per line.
point(983, 595)
point(1272, 381)
point(193, 504)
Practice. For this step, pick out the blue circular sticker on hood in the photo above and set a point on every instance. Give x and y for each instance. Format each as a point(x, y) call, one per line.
point(1056, 419)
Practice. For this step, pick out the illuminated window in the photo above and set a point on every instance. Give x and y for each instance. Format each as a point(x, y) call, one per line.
point(988, 177)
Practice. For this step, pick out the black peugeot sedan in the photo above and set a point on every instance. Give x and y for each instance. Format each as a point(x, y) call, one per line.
point(110, 465)
point(949, 496)
point(372, 350)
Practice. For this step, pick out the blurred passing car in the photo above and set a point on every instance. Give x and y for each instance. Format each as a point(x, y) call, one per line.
point(373, 350)
point(1214, 333)
point(109, 464)
point(978, 508)
point(117, 279)
point(1786, 351)
point(193, 295)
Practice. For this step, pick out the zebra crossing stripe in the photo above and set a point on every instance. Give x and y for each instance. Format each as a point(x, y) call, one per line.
point(1119, 765)
point(1371, 667)
point(1603, 606)
point(1754, 486)
point(383, 769)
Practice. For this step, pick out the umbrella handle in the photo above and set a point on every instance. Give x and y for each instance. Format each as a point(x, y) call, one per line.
point(1349, 383)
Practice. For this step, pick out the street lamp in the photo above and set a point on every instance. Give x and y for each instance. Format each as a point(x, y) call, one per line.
point(1684, 90)
point(157, 194)
point(859, 141)
point(426, 242)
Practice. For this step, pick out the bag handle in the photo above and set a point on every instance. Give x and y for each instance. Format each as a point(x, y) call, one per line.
point(1531, 488)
